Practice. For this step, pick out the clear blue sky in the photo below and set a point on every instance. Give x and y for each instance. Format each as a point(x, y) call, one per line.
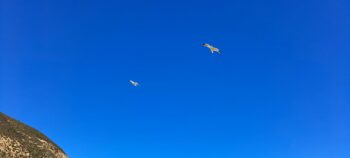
point(281, 88)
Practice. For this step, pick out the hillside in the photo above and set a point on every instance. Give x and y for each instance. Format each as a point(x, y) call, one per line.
point(18, 140)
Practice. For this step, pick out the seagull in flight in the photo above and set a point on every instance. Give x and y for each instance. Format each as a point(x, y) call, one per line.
point(134, 83)
point(212, 48)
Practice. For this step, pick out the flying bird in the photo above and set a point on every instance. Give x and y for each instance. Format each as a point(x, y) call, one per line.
point(134, 83)
point(212, 48)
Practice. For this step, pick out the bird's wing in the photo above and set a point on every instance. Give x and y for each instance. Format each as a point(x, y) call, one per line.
point(133, 82)
point(210, 46)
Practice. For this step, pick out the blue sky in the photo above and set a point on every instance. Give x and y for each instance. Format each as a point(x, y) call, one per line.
point(280, 89)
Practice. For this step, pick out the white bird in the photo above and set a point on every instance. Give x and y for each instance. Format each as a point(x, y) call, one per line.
point(212, 48)
point(134, 83)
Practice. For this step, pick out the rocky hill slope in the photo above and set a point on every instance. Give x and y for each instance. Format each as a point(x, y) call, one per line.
point(18, 140)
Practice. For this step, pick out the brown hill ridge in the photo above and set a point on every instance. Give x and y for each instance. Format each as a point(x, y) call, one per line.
point(18, 140)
